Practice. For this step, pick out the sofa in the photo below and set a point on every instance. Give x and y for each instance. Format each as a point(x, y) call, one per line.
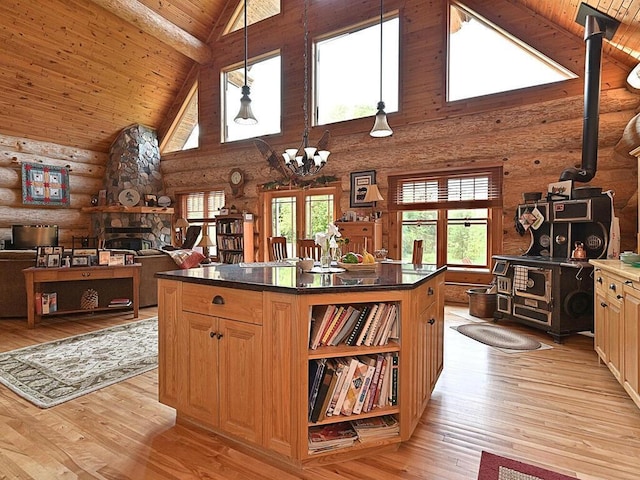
point(13, 295)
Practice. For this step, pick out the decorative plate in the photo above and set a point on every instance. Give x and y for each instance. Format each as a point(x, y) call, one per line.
point(129, 197)
point(164, 201)
point(355, 267)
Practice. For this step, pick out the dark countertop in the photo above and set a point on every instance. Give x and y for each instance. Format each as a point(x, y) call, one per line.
point(290, 279)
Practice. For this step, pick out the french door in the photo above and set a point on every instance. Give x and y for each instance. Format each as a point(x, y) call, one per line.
point(298, 214)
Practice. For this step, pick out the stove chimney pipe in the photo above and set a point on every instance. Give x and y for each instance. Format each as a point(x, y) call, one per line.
point(597, 25)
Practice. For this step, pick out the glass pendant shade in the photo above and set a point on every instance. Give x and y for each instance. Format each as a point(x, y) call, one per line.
point(381, 127)
point(245, 115)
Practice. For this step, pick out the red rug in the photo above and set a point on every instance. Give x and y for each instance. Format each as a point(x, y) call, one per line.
point(495, 467)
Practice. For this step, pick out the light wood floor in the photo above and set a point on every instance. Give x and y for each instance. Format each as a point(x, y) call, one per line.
point(556, 408)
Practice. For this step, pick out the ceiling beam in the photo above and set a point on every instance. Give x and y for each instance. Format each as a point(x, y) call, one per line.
point(159, 27)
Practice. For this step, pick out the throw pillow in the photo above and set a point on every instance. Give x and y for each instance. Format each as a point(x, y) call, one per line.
point(186, 258)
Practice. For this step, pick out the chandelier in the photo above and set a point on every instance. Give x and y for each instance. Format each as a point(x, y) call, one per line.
point(307, 160)
point(381, 127)
point(245, 115)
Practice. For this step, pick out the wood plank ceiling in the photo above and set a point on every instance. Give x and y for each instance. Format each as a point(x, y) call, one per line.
point(76, 72)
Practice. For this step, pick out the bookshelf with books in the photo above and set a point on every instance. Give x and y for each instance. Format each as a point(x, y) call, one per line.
point(234, 238)
point(329, 389)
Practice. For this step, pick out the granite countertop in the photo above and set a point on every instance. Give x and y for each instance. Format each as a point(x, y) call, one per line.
point(290, 279)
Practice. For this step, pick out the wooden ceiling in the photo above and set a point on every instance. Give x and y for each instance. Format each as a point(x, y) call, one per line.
point(76, 72)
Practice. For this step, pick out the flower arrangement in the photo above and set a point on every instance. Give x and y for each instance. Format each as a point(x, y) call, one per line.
point(328, 239)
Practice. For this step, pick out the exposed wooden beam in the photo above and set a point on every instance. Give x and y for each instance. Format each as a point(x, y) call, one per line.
point(159, 27)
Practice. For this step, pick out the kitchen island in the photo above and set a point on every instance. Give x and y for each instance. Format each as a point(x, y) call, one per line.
point(234, 351)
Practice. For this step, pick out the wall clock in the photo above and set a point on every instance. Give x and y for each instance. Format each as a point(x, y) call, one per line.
point(236, 180)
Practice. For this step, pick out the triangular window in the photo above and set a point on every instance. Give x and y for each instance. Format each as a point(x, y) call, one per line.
point(484, 59)
point(256, 10)
point(183, 133)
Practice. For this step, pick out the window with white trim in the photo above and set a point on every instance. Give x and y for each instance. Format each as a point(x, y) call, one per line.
point(202, 208)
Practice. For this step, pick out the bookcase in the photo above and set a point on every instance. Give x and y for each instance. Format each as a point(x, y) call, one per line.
point(234, 238)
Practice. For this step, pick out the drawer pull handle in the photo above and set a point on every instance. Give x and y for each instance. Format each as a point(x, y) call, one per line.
point(432, 321)
point(612, 287)
point(219, 336)
point(628, 282)
point(218, 300)
point(619, 297)
point(212, 334)
point(599, 280)
point(604, 305)
point(430, 291)
point(86, 274)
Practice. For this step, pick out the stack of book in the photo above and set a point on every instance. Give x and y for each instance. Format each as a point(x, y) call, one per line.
point(331, 437)
point(120, 303)
point(376, 428)
point(352, 325)
point(352, 385)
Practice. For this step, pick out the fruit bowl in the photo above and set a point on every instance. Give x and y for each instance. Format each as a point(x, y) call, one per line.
point(355, 267)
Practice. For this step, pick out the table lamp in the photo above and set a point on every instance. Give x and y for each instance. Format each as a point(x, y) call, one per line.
point(373, 195)
point(205, 242)
point(181, 224)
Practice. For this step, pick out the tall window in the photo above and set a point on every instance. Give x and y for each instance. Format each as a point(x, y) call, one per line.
point(298, 214)
point(263, 77)
point(456, 214)
point(483, 59)
point(201, 208)
point(183, 133)
point(348, 70)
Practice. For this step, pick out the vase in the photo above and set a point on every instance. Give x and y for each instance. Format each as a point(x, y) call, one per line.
point(325, 259)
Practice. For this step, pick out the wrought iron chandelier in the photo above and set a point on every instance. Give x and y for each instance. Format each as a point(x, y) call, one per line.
point(307, 160)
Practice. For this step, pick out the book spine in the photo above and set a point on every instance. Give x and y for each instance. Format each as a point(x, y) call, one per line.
point(358, 326)
point(374, 384)
point(394, 379)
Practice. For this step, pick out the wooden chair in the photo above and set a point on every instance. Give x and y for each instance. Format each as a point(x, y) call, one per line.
point(417, 252)
point(307, 248)
point(277, 248)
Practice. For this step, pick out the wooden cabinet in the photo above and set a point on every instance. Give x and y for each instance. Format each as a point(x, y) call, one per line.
point(361, 235)
point(209, 365)
point(234, 238)
point(236, 361)
point(617, 322)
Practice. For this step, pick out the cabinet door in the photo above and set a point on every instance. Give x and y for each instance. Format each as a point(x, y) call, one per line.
point(600, 329)
point(169, 311)
point(436, 346)
point(201, 376)
point(613, 325)
point(240, 379)
point(631, 360)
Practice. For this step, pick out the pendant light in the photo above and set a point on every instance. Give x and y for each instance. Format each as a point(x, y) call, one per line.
point(381, 127)
point(306, 160)
point(245, 115)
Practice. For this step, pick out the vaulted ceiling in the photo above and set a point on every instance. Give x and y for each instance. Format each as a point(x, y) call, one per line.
point(76, 72)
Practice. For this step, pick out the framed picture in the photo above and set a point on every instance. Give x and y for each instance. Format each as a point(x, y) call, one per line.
point(150, 200)
point(58, 250)
point(53, 260)
point(80, 261)
point(560, 190)
point(90, 252)
point(103, 257)
point(116, 259)
point(41, 261)
point(129, 259)
point(360, 181)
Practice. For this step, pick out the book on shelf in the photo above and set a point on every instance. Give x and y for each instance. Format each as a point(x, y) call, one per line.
point(335, 330)
point(341, 372)
point(348, 326)
point(330, 437)
point(120, 302)
point(375, 324)
point(324, 407)
point(353, 336)
point(49, 303)
point(316, 371)
point(364, 389)
point(332, 324)
point(322, 314)
point(381, 397)
point(394, 379)
point(355, 387)
point(348, 376)
point(323, 391)
point(373, 388)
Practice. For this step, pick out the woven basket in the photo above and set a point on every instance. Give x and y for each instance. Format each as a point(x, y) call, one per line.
point(89, 299)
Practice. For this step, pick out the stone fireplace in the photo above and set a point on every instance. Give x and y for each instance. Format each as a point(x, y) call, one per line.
point(134, 163)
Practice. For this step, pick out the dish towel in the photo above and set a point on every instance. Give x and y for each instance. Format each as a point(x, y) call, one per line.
point(520, 277)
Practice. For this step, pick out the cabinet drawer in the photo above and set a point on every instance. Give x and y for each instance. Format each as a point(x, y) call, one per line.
point(357, 228)
point(70, 274)
point(426, 296)
point(243, 305)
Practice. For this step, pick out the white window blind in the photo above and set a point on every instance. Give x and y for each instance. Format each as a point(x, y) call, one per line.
point(477, 188)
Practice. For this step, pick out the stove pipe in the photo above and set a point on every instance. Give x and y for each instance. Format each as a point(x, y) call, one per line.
point(597, 25)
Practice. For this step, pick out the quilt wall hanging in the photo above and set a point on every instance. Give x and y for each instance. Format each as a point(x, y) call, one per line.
point(45, 185)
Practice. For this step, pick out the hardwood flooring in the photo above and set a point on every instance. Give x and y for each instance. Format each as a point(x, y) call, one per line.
point(556, 408)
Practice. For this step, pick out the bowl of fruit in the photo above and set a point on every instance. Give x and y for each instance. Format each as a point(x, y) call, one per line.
point(357, 261)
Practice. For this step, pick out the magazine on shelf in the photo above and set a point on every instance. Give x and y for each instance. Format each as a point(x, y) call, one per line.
point(329, 437)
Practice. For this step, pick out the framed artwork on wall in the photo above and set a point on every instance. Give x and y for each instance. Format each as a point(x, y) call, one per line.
point(360, 181)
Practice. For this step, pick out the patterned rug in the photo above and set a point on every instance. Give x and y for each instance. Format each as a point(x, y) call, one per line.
point(501, 338)
point(495, 467)
point(51, 373)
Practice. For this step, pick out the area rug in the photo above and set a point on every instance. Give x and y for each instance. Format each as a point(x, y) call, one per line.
point(51, 373)
point(495, 467)
point(499, 337)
